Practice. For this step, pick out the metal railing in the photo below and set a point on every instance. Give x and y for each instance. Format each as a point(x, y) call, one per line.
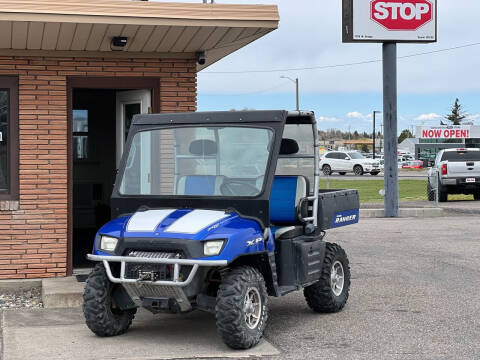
point(435, 188)
point(177, 263)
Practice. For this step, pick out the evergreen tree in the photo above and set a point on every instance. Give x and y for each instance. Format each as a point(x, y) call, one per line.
point(457, 115)
point(405, 134)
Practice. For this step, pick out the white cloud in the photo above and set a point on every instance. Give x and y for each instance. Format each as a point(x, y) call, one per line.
point(355, 115)
point(473, 117)
point(328, 119)
point(428, 117)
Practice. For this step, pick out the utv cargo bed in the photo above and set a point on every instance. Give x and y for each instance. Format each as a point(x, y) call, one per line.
point(337, 208)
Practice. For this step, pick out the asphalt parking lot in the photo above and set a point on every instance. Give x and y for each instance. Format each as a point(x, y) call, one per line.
point(414, 295)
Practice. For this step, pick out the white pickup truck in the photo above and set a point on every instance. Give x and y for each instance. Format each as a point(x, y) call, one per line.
point(456, 171)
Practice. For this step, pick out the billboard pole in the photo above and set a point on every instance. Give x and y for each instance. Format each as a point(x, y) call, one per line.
point(390, 128)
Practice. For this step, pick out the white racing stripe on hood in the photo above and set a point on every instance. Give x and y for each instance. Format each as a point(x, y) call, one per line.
point(195, 221)
point(147, 221)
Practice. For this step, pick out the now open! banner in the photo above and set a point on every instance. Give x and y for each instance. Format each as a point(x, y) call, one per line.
point(448, 132)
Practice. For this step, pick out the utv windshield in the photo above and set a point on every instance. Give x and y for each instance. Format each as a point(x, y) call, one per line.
point(197, 161)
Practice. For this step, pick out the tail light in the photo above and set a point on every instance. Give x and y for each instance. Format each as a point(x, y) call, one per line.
point(444, 169)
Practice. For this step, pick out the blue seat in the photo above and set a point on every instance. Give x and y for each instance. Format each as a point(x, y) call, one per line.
point(287, 191)
point(199, 185)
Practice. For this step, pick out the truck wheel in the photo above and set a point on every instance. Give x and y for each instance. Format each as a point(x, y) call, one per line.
point(101, 314)
point(241, 310)
point(330, 294)
point(430, 192)
point(327, 170)
point(358, 170)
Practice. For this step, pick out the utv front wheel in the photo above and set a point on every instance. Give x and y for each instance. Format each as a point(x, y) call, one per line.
point(241, 310)
point(330, 294)
point(101, 314)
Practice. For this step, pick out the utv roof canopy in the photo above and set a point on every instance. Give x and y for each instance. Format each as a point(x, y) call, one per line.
point(238, 117)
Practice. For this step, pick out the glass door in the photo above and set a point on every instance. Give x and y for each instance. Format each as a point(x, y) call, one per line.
point(129, 103)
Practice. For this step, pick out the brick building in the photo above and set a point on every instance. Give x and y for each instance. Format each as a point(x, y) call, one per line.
point(72, 75)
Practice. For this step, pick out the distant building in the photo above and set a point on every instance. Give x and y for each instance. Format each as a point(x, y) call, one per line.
point(408, 145)
point(432, 139)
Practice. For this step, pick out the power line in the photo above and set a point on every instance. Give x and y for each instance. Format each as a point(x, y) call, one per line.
point(322, 67)
point(249, 93)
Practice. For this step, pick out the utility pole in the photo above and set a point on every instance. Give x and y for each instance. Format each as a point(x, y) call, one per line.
point(296, 89)
point(374, 130)
point(390, 122)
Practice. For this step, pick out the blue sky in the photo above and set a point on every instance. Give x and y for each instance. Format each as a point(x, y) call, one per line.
point(341, 110)
point(310, 35)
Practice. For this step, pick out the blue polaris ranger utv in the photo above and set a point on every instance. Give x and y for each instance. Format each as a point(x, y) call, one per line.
point(216, 212)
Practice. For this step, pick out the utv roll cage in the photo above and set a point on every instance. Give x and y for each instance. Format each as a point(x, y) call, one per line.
point(256, 207)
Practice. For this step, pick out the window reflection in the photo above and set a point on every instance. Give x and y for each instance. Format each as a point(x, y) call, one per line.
point(80, 134)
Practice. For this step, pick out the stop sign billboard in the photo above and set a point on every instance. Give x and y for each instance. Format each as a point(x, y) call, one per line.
point(390, 20)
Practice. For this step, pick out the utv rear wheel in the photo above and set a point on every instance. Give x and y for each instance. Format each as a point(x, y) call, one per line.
point(327, 170)
point(241, 310)
point(101, 314)
point(330, 294)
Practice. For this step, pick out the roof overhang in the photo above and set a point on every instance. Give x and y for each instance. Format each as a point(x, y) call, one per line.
point(153, 29)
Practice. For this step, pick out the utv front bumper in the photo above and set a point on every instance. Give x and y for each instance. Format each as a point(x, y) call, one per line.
point(140, 289)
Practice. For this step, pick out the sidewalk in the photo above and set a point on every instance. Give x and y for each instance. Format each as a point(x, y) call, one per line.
point(460, 206)
point(52, 334)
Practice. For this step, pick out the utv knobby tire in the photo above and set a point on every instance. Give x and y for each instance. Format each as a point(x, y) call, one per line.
point(99, 311)
point(229, 310)
point(320, 296)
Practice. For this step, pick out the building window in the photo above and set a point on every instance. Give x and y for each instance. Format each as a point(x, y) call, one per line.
point(80, 134)
point(8, 138)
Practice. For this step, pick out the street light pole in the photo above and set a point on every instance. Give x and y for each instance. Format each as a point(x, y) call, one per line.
point(374, 129)
point(296, 88)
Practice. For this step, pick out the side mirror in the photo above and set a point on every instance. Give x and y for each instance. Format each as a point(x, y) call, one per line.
point(347, 158)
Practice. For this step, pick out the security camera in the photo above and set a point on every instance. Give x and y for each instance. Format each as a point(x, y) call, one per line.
point(118, 43)
point(200, 56)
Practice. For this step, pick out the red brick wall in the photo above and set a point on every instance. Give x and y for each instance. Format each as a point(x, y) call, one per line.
point(33, 232)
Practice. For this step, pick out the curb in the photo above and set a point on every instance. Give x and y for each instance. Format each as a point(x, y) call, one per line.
point(462, 211)
point(404, 213)
point(62, 292)
point(23, 284)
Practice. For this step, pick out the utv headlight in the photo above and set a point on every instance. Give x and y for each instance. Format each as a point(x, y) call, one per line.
point(108, 243)
point(213, 247)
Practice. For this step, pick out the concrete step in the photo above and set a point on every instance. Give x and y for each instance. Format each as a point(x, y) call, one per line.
point(62, 292)
point(403, 212)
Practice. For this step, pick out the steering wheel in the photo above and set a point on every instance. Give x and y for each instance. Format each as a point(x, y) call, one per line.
point(237, 188)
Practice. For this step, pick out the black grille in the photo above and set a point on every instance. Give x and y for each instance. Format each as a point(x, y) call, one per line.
point(161, 272)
